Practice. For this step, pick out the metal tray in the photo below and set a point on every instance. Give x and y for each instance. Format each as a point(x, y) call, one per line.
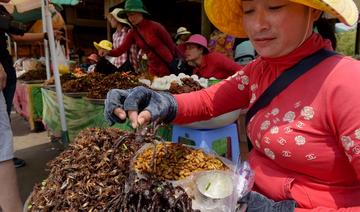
point(76, 94)
point(32, 81)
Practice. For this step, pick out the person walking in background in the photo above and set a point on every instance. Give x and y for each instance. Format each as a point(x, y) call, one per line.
point(150, 36)
point(128, 61)
point(8, 88)
point(306, 134)
point(9, 192)
point(208, 64)
point(244, 53)
point(182, 35)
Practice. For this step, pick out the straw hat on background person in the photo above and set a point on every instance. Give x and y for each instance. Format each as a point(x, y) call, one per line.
point(116, 13)
point(182, 31)
point(227, 15)
point(104, 44)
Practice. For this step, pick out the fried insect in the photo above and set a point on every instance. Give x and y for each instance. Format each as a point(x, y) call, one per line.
point(175, 161)
point(87, 175)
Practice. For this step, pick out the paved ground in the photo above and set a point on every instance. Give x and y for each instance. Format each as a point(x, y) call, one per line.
point(36, 149)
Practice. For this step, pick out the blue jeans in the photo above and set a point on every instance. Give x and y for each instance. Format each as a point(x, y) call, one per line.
point(257, 202)
point(9, 90)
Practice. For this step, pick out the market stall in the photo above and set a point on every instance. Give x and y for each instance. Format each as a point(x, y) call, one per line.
point(112, 170)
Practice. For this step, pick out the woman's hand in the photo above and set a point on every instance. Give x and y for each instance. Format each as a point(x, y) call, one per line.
point(141, 105)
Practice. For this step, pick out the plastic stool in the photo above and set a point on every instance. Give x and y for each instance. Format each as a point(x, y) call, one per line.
point(204, 138)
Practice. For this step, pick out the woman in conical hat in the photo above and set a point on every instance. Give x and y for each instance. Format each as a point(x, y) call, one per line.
point(306, 140)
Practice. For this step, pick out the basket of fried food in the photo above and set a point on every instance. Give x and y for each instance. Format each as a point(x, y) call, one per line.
point(173, 161)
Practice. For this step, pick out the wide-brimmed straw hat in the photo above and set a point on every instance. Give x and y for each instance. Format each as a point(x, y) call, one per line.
point(104, 44)
point(115, 13)
point(134, 6)
point(182, 31)
point(226, 15)
point(199, 40)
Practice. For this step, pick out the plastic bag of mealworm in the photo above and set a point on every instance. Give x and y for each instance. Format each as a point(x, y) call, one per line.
point(174, 161)
point(218, 190)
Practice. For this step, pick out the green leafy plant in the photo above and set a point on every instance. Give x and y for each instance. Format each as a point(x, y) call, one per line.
point(346, 42)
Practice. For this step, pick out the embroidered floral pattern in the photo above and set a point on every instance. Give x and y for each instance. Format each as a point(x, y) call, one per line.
point(307, 112)
point(300, 124)
point(288, 130)
point(275, 111)
point(274, 130)
point(357, 134)
point(269, 153)
point(265, 125)
point(356, 149)
point(254, 87)
point(300, 140)
point(286, 154)
point(276, 120)
point(289, 116)
point(253, 98)
point(267, 140)
point(281, 141)
point(297, 104)
point(241, 87)
point(310, 156)
point(245, 80)
point(347, 142)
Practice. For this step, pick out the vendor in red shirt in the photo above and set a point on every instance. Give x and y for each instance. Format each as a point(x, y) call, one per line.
point(149, 36)
point(208, 64)
point(306, 154)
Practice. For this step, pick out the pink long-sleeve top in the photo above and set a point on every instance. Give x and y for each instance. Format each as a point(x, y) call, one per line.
point(159, 40)
point(307, 140)
point(216, 65)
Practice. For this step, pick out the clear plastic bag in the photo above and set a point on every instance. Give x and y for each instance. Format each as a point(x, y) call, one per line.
point(239, 183)
point(63, 64)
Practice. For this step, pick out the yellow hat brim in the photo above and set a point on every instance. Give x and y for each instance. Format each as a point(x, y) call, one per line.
point(226, 15)
point(98, 46)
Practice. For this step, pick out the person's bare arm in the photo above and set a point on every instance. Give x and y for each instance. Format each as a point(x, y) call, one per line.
point(33, 37)
point(9, 192)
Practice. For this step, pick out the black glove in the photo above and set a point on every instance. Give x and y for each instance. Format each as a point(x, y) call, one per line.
point(161, 105)
point(259, 203)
